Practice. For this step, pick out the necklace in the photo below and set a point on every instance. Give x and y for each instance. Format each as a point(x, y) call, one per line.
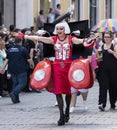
point(62, 39)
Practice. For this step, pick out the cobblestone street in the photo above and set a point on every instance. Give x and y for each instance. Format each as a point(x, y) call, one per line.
point(37, 112)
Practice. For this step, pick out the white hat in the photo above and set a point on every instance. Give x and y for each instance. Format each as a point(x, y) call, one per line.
point(62, 24)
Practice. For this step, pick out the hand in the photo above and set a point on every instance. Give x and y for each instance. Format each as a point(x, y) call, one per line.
point(21, 35)
point(89, 40)
point(2, 71)
point(31, 64)
point(110, 51)
point(88, 43)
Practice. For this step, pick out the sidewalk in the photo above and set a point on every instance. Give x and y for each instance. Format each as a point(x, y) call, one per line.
point(37, 112)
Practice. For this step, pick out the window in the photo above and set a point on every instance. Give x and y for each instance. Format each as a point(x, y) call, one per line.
point(1, 11)
point(78, 10)
point(93, 5)
point(108, 9)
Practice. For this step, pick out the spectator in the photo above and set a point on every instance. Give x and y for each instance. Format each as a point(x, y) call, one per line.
point(17, 60)
point(2, 58)
point(32, 29)
point(41, 19)
point(11, 28)
point(85, 53)
point(57, 11)
point(108, 72)
point(50, 16)
point(75, 93)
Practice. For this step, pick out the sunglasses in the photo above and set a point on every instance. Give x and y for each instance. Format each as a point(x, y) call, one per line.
point(60, 28)
point(107, 37)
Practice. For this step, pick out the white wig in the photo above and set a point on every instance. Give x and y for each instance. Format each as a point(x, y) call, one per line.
point(62, 24)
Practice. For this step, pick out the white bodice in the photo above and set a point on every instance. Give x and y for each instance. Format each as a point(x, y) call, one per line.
point(62, 49)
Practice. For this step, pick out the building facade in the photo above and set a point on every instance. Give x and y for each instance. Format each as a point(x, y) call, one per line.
point(95, 10)
point(24, 13)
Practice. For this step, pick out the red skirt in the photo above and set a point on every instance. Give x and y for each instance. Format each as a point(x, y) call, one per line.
point(60, 77)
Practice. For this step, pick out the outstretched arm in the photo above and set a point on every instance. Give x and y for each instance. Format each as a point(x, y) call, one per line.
point(77, 40)
point(86, 42)
point(47, 40)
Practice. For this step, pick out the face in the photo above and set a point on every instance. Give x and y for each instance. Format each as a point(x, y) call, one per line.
point(92, 35)
point(107, 38)
point(60, 30)
point(98, 39)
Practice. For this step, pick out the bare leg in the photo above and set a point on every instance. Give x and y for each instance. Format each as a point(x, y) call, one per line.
point(73, 101)
point(84, 97)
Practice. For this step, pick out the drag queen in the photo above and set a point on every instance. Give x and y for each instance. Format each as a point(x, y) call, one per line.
point(62, 42)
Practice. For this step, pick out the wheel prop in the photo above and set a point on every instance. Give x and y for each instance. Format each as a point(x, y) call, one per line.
point(41, 75)
point(80, 74)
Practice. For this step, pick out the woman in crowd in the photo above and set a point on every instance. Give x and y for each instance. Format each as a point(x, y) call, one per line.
point(50, 16)
point(108, 72)
point(41, 19)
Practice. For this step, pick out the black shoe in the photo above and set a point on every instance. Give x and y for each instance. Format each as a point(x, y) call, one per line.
point(101, 108)
point(37, 91)
point(61, 121)
point(112, 108)
point(27, 91)
point(66, 118)
point(14, 98)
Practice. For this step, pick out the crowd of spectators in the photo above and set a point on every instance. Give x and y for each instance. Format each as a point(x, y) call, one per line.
point(7, 41)
point(50, 17)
